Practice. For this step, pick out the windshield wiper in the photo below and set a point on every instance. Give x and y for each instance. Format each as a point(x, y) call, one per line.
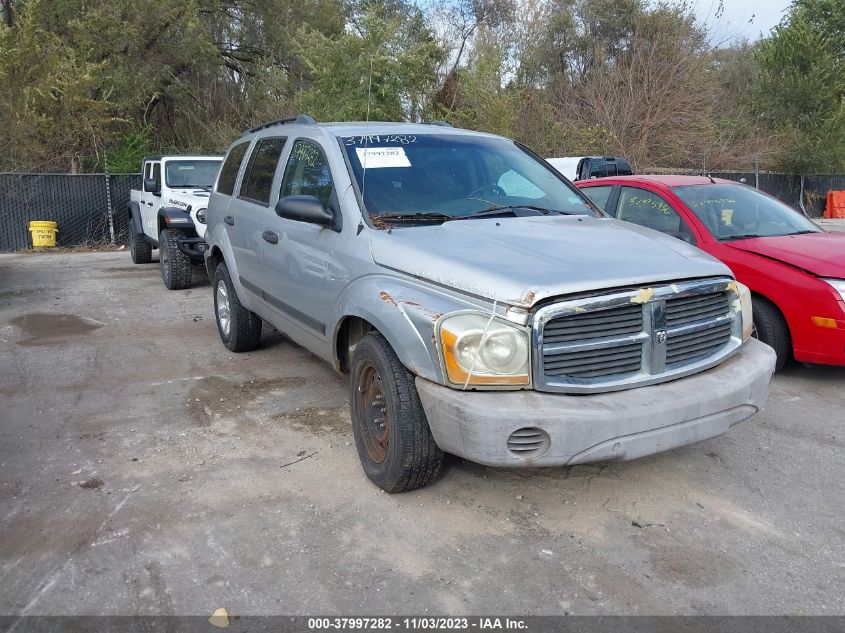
point(413, 217)
point(740, 236)
point(509, 209)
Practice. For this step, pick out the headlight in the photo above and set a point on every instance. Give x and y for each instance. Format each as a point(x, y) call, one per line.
point(838, 286)
point(201, 216)
point(747, 313)
point(480, 351)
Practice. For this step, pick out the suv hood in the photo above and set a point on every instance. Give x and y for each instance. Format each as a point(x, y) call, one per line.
point(821, 254)
point(521, 261)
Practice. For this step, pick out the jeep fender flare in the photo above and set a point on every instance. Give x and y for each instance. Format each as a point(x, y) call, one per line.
point(405, 312)
point(175, 218)
point(135, 217)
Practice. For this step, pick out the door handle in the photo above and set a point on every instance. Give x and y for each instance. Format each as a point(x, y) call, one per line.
point(229, 220)
point(149, 204)
point(271, 237)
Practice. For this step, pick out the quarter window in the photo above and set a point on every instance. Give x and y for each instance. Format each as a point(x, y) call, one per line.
point(647, 209)
point(258, 176)
point(307, 173)
point(230, 169)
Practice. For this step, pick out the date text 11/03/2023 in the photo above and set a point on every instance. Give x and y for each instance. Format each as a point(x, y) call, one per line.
point(417, 623)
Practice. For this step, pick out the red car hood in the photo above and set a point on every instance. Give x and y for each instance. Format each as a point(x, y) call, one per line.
point(821, 254)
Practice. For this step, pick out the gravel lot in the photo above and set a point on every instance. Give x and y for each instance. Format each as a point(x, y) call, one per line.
point(146, 470)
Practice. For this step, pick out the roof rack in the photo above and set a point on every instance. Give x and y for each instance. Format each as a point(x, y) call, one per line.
point(440, 123)
point(302, 119)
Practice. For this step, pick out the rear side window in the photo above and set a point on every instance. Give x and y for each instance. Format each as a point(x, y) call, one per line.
point(307, 173)
point(599, 195)
point(229, 171)
point(258, 177)
point(598, 169)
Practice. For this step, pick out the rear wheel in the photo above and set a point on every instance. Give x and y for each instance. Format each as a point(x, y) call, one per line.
point(175, 265)
point(139, 248)
point(770, 328)
point(240, 329)
point(391, 432)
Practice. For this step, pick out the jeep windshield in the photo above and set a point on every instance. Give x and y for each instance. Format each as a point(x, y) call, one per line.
point(441, 177)
point(738, 212)
point(191, 174)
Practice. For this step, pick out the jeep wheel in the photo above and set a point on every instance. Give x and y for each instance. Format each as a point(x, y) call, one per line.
point(391, 432)
point(240, 329)
point(175, 265)
point(770, 328)
point(139, 248)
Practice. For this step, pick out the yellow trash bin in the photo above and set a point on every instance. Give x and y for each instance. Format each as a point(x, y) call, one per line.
point(43, 233)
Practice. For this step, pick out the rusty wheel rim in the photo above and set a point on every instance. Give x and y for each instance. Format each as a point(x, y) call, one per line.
point(372, 413)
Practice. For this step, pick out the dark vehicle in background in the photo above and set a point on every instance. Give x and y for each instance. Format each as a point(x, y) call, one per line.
point(795, 270)
point(587, 167)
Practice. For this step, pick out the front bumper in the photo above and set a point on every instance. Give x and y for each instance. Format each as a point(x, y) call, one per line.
point(621, 426)
point(193, 247)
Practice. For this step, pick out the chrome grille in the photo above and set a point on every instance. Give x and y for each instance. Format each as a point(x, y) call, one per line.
point(683, 310)
point(634, 337)
point(684, 344)
point(599, 324)
point(597, 327)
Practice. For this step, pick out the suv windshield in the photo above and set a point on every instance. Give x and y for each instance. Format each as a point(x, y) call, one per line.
point(455, 176)
point(733, 212)
point(191, 173)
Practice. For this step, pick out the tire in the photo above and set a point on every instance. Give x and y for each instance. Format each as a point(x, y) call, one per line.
point(242, 331)
point(175, 265)
point(771, 329)
point(139, 248)
point(393, 438)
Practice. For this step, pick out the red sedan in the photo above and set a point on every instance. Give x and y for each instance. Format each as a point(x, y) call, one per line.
point(796, 271)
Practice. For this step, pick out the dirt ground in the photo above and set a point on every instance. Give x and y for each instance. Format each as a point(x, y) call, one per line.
point(144, 469)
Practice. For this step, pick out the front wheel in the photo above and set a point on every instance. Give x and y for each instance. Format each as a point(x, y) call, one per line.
point(391, 432)
point(770, 328)
point(175, 265)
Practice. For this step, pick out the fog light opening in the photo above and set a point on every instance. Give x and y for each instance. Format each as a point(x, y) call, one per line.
point(529, 443)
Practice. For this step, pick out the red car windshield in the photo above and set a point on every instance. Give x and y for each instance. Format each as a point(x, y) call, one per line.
point(734, 212)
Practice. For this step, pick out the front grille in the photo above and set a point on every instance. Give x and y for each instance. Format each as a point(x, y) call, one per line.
point(620, 340)
point(599, 324)
point(683, 346)
point(683, 310)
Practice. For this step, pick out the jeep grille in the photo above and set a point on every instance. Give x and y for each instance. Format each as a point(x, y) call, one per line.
point(635, 337)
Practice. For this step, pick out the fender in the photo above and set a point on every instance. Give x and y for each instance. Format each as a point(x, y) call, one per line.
point(175, 218)
point(405, 312)
point(135, 217)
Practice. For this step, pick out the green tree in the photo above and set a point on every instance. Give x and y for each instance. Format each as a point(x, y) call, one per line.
point(55, 116)
point(385, 65)
point(802, 85)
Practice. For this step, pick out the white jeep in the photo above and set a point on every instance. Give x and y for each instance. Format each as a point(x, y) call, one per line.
point(168, 213)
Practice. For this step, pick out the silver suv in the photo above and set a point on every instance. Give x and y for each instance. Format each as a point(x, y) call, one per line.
point(479, 304)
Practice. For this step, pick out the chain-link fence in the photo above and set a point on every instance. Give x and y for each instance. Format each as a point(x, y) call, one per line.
point(807, 194)
point(78, 203)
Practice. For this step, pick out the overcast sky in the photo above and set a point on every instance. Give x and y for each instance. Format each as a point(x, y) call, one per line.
point(762, 14)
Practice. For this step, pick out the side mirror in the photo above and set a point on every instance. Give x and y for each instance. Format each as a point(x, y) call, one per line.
point(152, 185)
point(307, 209)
